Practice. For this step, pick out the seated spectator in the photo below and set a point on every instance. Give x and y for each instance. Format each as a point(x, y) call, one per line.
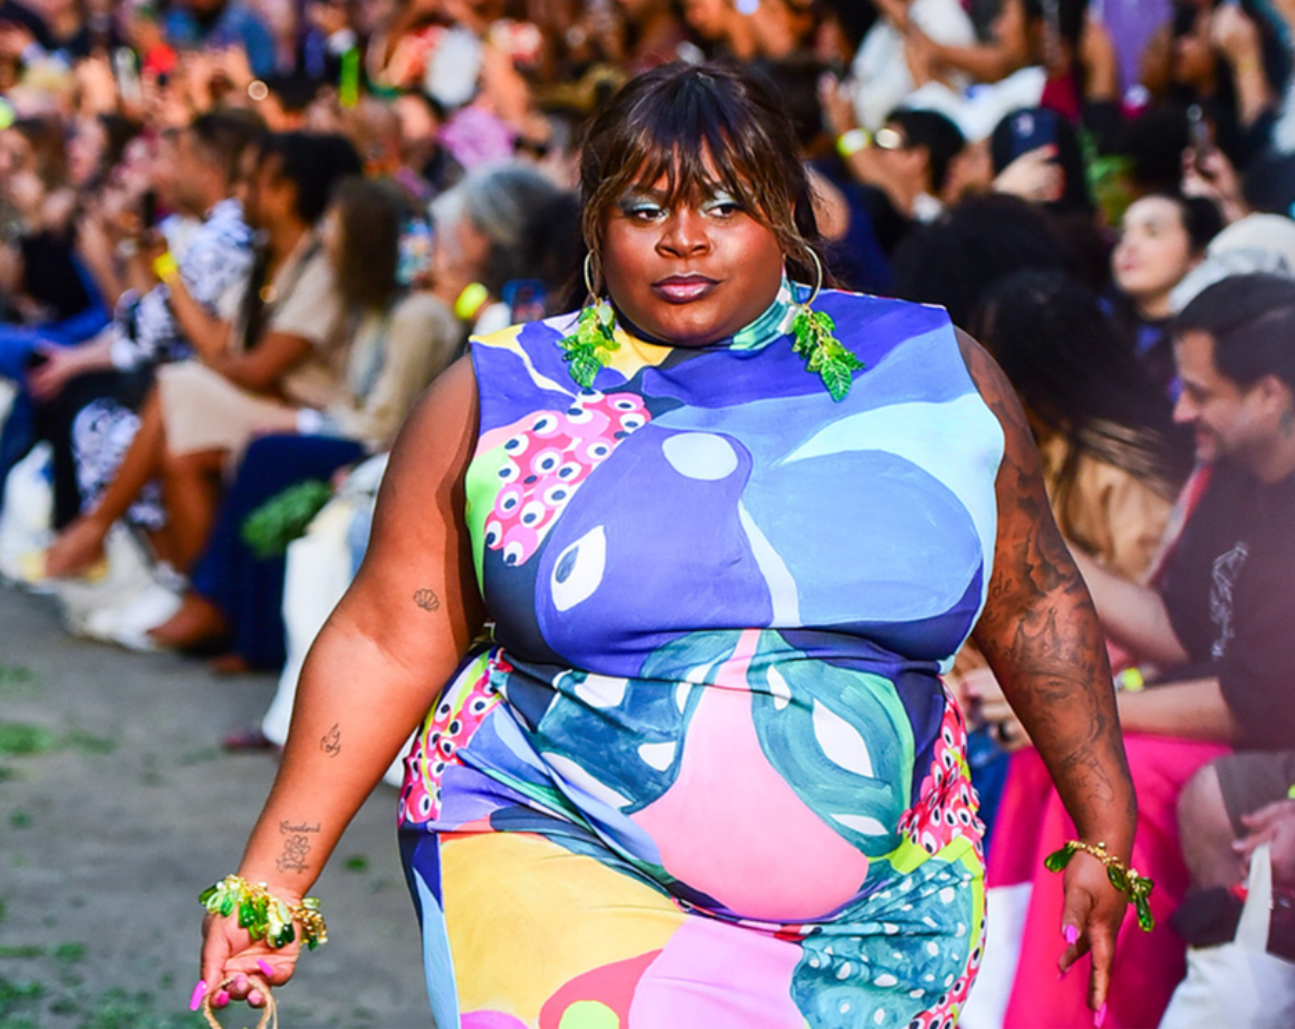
point(1210, 635)
point(955, 260)
point(401, 342)
point(284, 351)
point(1211, 56)
point(88, 395)
point(1163, 238)
point(905, 165)
point(1111, 458)
point(219, 24)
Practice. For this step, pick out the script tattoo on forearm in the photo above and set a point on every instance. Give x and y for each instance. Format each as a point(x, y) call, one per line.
point(427, 600)
point(296, 846)
point(331, 742)
point(1040, 623)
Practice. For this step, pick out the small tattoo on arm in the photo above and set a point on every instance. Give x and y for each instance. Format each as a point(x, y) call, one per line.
point(427, 600)
point(296, 847)
point(331, 742)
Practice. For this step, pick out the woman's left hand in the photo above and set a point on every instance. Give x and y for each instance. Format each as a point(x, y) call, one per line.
point(1091, 916)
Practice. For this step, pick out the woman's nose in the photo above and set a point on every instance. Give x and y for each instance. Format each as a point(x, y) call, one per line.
point(685, 234)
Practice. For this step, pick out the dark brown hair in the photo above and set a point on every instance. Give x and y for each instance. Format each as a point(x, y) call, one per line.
point(701, 127)
point(371, 213)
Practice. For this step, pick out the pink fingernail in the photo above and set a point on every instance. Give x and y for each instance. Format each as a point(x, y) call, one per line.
point(1070, 934)
point(264, 966)
point(1100, 1017)
point(240, 983)
point(199, 991)
point(254, 998)
point(221, 999)
point(1062, 974)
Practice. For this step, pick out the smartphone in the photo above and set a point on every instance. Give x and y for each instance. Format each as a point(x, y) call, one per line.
point(1200, 138)
point(148, 208)
point(526, 299)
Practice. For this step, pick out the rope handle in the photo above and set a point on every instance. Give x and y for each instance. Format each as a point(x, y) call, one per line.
point(269, 1014)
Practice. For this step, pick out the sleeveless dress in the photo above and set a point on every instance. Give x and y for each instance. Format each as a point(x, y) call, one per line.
point(704, 773)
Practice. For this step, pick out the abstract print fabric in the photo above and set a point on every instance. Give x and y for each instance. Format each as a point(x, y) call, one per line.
point(704, 774)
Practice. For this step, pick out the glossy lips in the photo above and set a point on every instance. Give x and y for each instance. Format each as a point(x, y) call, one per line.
point(684, 289)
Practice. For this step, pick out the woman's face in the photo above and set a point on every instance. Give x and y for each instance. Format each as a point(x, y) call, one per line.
point(692, 273)
point(1154, 252)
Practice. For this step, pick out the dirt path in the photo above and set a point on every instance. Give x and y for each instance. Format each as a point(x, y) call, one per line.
point(117, 807)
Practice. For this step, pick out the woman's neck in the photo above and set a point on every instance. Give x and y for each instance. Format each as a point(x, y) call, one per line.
point(1156, 307)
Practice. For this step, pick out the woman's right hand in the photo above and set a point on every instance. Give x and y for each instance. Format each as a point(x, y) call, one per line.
point(229, 953)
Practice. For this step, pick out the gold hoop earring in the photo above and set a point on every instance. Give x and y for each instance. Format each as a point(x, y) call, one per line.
point(818, 282)
point(589, 276)
point(817, 344)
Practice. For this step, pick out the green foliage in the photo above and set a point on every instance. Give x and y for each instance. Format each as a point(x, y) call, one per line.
point(21, 739)
point(69, 952)
point(823, 352)
point(283, 518)
point(15, 995)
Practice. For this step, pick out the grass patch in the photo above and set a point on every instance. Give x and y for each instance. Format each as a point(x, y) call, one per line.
point(69, 952)
point(20, 820)
point(356, 863)
point(35, 951)
point(8, 772)
point(15, 995)
point(118, 1009)
point(18, 680)
point(21, 739)
point(89, 743)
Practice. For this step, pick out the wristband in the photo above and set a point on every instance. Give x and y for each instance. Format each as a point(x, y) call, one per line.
point(1131, 680)
point(470, 301)
point(850, 143)
point(165, 267)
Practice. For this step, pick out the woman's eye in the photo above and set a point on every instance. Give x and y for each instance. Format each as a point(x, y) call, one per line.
point(722, 206)
point(644, 211)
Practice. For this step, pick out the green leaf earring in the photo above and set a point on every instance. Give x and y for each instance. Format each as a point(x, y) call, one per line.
point(815, 342)
point(589, 348)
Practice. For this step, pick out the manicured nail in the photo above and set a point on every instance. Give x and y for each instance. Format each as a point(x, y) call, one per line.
point(240, 983)
point(1062, 974)
point(264, 966)
point(255, 999)
point(199, 991)
point(1070, 934)
point(221, 999)
point(1099, 1017)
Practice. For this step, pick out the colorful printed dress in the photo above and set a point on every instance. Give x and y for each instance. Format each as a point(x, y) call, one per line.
point(705, 774)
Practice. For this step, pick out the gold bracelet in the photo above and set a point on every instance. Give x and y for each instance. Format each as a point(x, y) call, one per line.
point(1135, 887)
point(263, 915)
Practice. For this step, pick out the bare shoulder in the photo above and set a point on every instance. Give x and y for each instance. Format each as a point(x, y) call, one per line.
point(438, 439)
point(995, 389)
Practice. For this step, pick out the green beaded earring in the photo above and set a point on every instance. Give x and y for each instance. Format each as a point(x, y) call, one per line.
point(815, 342)
point(588, 349)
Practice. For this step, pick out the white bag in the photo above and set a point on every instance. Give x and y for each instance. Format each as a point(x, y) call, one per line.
point(1239, 984)
point(27, 512)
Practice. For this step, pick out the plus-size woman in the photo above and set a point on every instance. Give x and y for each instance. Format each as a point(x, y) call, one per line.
point(694, 765)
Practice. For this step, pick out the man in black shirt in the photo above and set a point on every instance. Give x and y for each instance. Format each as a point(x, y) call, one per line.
point(1220, 619)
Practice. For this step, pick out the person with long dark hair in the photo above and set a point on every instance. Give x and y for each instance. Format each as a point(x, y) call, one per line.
point(1112, 458)
point(726, 525)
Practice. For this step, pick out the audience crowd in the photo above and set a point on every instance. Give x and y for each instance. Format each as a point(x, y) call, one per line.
point(238, 238)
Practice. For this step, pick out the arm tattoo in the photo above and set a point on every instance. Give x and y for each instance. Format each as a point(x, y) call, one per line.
point(296, 846)
point(427, 600)
point(331, 742)
point(1039, 628)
